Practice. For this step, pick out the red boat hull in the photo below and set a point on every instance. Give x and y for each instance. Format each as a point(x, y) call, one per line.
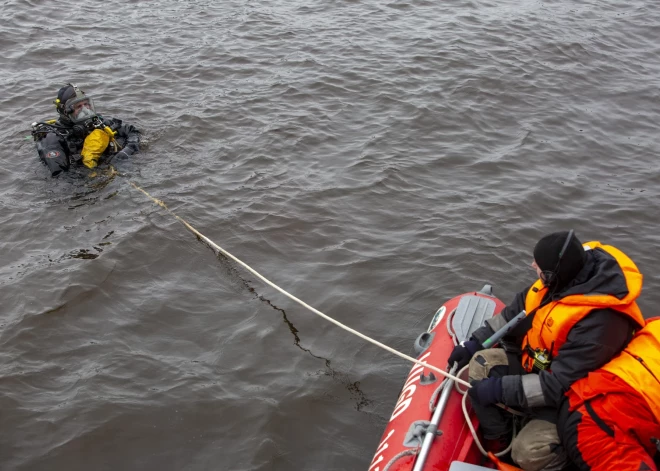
point(455, 443)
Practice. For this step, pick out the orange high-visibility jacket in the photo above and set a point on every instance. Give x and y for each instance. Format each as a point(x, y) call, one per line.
point(638, 365)
point(553, 322)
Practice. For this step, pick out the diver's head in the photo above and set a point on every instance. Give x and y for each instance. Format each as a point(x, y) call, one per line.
point(73, 105)
point(558, 258)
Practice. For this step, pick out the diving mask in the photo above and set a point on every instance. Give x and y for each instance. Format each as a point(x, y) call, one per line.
point(80, 109)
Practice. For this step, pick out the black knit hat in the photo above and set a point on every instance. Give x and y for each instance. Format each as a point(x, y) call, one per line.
point(558, 264)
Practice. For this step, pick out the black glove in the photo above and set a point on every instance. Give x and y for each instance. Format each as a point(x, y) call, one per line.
point(121, 155)
point(133, 142)
point(486, 391)
point(125, 153)
point(463, 353)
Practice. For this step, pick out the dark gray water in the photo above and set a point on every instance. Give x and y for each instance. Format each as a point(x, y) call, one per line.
point(372, 158)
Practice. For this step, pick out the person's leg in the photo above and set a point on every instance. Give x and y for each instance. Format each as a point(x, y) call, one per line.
point(496, 424)
point(537, 447)
point(595, 443)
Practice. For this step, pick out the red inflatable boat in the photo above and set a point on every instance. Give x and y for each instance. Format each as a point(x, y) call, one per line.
point(427, 430)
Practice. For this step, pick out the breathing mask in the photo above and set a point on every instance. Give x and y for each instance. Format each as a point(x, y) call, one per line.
point(72, 103)
point(80, 109)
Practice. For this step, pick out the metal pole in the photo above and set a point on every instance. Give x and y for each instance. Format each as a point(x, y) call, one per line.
point(435, 421)
point(508, 327)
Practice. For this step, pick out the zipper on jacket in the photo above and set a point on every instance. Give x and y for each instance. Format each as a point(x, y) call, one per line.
point(641, 360)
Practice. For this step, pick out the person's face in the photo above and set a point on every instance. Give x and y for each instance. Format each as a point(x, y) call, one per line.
point(82, 110)
point(79, 106)
point(539, 272)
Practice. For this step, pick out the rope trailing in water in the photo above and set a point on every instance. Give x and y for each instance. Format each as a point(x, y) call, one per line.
point(219, 249)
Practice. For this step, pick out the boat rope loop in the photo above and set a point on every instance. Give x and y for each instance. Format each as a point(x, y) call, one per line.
point(222, 251)
point(468, 420)
point(399, 456)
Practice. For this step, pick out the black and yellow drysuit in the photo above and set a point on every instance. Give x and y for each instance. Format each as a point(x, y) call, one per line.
point(80, 136)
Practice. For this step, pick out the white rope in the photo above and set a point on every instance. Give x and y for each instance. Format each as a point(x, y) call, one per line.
point(219, 249)
point(468, 420)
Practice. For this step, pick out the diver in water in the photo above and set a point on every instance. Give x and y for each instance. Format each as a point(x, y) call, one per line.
point(80, 135)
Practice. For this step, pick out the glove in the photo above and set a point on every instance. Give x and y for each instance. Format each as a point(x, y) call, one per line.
point(132, 146)
point(125, 153)
point(121, 155)
point(463, 352)
point(486, 391)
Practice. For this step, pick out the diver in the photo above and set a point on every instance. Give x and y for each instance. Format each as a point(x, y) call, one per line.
point(80, 136)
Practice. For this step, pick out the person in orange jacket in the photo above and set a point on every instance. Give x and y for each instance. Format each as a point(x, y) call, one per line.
point(581, 312)
point(611, 419)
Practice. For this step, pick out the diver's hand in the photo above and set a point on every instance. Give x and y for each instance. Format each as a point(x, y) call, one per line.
point(122, 155)
point(125, 153)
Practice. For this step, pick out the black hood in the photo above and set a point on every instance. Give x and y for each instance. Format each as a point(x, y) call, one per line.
point(561, 257)
point(601, 274)
point(66, 93)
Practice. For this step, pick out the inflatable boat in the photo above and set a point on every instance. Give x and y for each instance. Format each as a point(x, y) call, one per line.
point(429, 429)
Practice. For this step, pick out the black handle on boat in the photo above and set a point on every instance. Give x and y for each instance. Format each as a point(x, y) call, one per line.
point(508, 327)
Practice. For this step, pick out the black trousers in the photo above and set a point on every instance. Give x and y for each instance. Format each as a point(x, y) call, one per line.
point(495, 422)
